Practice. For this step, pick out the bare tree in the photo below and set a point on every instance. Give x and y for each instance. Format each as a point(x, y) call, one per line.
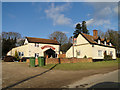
point(11, 35)
point(101, 33)
point(60, 37)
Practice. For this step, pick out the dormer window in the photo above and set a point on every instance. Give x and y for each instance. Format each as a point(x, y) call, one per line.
point(110, 44)
point(98, 41)
point(104, 42)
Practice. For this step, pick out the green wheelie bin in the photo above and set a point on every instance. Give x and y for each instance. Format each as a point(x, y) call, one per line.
point(41, 61)
point(32, 61)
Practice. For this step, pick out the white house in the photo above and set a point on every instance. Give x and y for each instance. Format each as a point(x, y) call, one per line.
point(35, 47)
point(91, 46)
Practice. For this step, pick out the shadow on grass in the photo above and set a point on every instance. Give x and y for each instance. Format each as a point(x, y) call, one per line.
point(103, 85)
point(29, 78)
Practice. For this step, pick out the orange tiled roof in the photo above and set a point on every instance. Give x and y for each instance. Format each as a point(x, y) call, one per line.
point(93, 39)
point(41, 40)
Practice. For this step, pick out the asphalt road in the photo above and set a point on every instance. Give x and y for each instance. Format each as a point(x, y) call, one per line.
point(108, 80)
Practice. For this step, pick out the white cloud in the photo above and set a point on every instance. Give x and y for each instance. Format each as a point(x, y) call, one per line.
point(55, 13)
point(103, 15)
point(89, 22)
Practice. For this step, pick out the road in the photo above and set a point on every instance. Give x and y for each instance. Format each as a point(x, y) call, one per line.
point(108, 80)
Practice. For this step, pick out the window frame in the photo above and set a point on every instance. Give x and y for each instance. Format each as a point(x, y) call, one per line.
point(99, 53)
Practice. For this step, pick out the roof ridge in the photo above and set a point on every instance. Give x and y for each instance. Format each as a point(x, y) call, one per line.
point(41, 38)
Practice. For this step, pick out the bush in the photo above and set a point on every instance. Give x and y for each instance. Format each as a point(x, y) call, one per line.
point(85, 56)
point(9, 59)
point(107, 57)
point(17, 56)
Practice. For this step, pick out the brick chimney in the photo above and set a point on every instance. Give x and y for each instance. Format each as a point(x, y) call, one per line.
point(55, 38)
point(95, 33)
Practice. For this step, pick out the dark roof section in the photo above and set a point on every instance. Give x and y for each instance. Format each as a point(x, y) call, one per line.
point(41, 40)
point(92, 39)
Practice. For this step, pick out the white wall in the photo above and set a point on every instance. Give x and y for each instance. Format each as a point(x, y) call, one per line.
point(86, 48)
point(30, 49)
point(108, 49)
point(23, 48)
point(82, 45)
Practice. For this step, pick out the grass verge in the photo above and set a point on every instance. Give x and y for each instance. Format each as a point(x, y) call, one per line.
point(85, 66)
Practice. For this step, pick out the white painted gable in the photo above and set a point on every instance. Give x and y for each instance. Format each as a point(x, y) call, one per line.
point(81, 40)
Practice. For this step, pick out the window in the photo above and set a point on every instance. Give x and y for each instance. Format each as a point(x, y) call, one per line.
point(78, 53)
point(105, 42)
point(98, 41)
point(22, 53)
point(110, 44)
point(111, 53)
point(100, 53)
point(75, 41)
point(19, 53)
point(36, 54)
point(36, 44)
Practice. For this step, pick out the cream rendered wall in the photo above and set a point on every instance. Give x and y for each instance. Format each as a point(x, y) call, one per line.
point(108, 49)
point(69, 53)
point(32, 49)
point(86, 48)
point(81, 40)
point(23, 48)
point(81, 45)
point(29, 49)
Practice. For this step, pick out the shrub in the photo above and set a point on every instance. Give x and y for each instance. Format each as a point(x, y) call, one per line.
point(85, 56)
point(107, 57)
point(9, 59)
point(17, 56)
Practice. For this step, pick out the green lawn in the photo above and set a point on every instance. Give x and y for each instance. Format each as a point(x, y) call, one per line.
point(84, 66)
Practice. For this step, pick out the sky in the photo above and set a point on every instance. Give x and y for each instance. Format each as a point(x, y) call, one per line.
point(39, 19)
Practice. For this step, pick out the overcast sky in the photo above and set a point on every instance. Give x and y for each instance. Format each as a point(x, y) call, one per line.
point(39, 19)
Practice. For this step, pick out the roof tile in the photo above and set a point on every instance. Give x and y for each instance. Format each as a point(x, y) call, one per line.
point(41, 40)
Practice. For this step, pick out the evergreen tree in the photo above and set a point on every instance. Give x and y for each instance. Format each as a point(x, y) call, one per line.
point(78, 29)
point(84, 28)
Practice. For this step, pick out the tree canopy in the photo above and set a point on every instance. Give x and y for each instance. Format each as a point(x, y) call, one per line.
point(81, 28)
point(60, 37)
point(9, 41)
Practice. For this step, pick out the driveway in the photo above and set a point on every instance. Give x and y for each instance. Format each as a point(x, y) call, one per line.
point(20, 75)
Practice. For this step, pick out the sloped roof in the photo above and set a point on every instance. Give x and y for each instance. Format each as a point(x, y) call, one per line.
point(92, 39)
point(41, 40)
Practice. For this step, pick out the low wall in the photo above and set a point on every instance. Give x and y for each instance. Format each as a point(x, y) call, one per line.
point(63, 60)
point(67, 60)
point(62, 56)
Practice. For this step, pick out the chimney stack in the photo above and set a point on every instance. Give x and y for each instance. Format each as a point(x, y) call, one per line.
point(95, 33)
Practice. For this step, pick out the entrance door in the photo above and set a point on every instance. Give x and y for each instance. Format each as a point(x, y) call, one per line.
point(51, 53)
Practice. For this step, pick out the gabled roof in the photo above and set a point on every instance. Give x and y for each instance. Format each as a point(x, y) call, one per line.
point(41, 40)
point(93, 40)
